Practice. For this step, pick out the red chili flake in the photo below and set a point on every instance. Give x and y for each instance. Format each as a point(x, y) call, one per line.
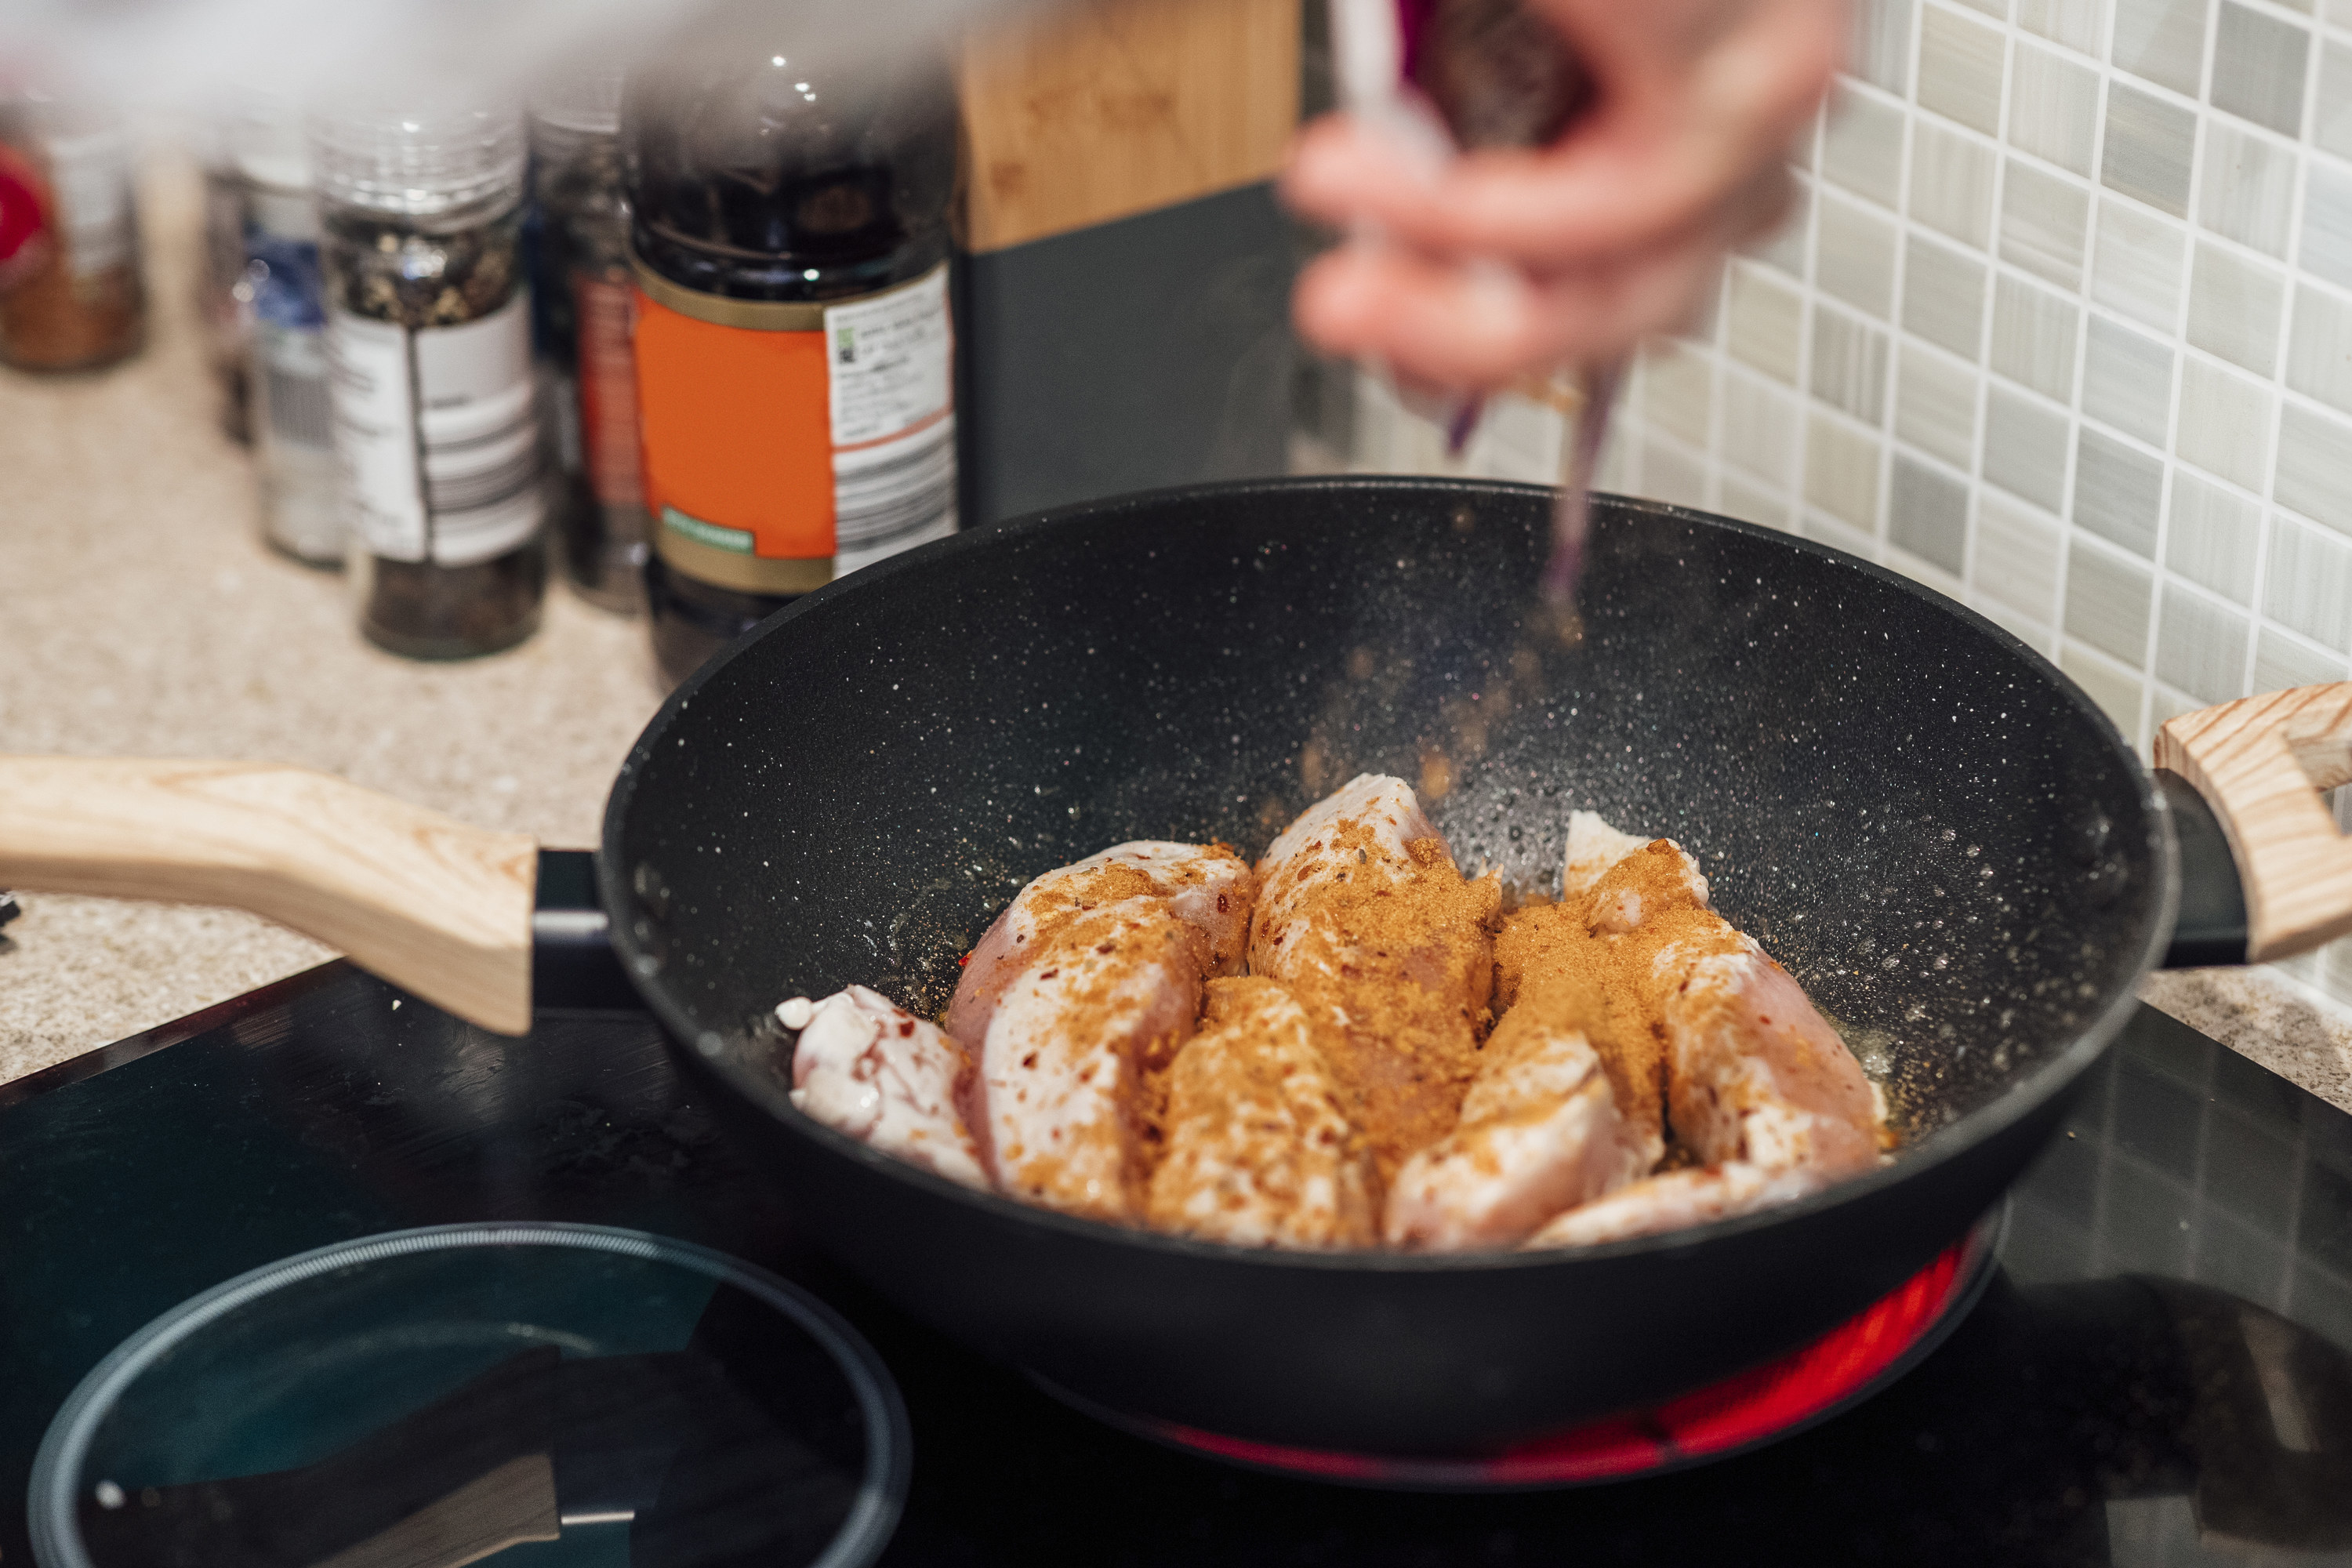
point(1049, 975)
point(1221, 903)
point(1113, 947)
point(906, 1028)
point(1030, 1060)
point(964, 962)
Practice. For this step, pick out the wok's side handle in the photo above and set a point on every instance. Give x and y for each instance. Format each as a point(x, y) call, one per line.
point(434, 906)
point(2261, 763)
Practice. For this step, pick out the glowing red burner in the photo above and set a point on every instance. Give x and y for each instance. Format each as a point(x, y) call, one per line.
point(1751, 1408)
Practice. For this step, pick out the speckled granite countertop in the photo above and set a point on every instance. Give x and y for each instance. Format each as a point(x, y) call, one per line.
point(143, 616)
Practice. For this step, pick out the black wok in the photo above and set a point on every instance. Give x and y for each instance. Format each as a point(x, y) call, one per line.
point(1936, 831)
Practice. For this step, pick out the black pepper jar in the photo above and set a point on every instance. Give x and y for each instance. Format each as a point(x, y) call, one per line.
point(428, 335)
point(789, 231)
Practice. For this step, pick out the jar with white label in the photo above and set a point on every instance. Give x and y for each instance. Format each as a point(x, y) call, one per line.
point(285, 317)
point(794, 349)
point(71, 297)
point(428, 344)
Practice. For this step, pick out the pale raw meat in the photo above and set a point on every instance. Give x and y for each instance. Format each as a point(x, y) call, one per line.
point(1257, 1150)
point(866, 1067)
point(1207, 886)
point(1679, 1199)
point(1363, 914)
point(1592, 848)
point(1383, 817)
point(1539, 1132)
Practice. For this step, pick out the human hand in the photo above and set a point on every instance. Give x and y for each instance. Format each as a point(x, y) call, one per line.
point(1506, 262)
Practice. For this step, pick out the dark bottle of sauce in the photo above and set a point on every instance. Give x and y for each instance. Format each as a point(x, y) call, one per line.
point(789, 229)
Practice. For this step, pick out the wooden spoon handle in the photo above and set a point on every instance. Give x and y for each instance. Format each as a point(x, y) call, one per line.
point(2259, 762)
point(431, 904)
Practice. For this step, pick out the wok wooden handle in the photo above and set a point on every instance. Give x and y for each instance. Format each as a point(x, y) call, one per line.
point(429, 903)
point(2259, 762)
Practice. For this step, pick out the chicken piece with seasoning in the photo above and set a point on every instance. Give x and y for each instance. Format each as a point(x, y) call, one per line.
point(1758, 1086)
point(1077, 998)
point(866, 1067)
point(1364, 916)
point(1257, 1149)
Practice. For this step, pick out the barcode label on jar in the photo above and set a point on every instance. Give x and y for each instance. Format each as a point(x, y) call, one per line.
point(438, 436)
point(90, 176)
point(894, 495)
point(292, 387)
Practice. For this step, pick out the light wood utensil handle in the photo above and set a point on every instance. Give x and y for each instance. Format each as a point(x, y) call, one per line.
point(2261, 762)
point(429, 903)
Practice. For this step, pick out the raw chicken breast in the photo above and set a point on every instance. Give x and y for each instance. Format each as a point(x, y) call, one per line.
point(866, 1067)
point(1539, 1132)
point(1364, 916)
point(1078, 996)
point(1207, 886)
point(1257, 1149)
point(1677, 1199)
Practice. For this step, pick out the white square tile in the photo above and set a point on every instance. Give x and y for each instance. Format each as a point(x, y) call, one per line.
point(2151, 148)
point(1517, 439)
point(1862, 145)
point(2282, 663)
point(1766, 321)
point(2117, 690)
point(1841, 472)
point(1943, 296)
point(2331, 122)
point(1997, 9)
point(2077, 24)
point(2024, 629)
point(2138, 269)
point(1672, 476)
point(2225, 423)
point(2201, 647)
point(2319, 347)
point(1882, 43)
point(1961, 69)
point(1936, 407)
point(1753, 503)
point(2248, 194)
point(1679, 390)
point(1620, 457)
point(1838, 536)
point(2118, 493)
point(2108, 597)
point(2326, 247)
point(2162, 40)
point(2053, 107)
point(2033, 336)
point(1925, 573)
point(2307, 587)
point(2017, 556)
point(2233, 307)
point(1951, 183)
point(2314, 467)
point(2043, 217)
point(2213, 537)
point(1854, 258)
point(1927, 512)
point(1849, 364)
point(2127, 380)
point(1759, 428)
point(2258, 67)
point(2025, 448)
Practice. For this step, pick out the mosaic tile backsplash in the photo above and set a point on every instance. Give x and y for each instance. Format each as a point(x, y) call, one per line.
point(2061, 325)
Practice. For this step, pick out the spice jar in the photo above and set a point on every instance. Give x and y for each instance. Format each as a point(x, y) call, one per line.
point(70, 296)
point(220, 305)
point(582, 285)
point(428, 335)
point(789, 233)
point(294, 449)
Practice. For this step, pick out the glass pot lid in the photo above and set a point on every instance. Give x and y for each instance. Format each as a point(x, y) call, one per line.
point(533, 1394)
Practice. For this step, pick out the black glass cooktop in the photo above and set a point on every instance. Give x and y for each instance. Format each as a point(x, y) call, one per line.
point(2158, 1373)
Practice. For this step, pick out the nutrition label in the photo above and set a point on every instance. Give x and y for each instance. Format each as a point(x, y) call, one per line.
point(889, 366)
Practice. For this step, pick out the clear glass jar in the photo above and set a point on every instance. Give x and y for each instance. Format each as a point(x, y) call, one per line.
point(583, 280)
point(70, 294)
point(428, 331)
point(285, 311)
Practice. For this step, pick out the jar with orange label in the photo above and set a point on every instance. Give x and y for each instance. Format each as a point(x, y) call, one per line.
point(795, 349)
